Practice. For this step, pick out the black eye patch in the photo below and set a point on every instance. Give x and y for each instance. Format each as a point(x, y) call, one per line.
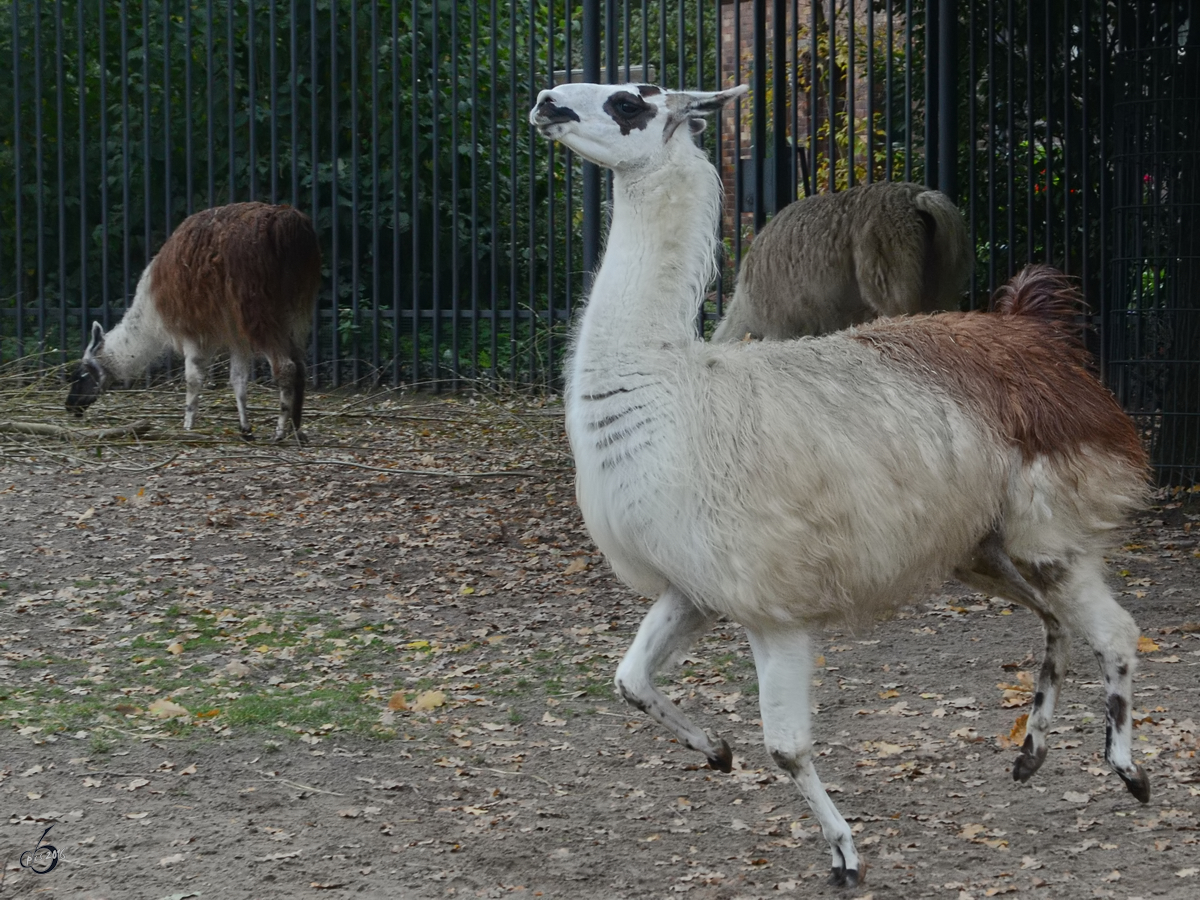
point(629, 111)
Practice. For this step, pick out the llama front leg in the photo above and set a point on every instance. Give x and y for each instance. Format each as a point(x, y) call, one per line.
point(195, 370)
point(1112, 635)
point(240, 367)
point(783, 660)
point(670, 627)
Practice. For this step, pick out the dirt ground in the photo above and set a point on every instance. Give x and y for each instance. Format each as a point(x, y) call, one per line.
point(381, 666)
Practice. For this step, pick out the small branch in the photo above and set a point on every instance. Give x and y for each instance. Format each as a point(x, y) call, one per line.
point(136, 429)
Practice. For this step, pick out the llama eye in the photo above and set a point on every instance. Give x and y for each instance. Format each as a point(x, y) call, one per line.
point(627, 107)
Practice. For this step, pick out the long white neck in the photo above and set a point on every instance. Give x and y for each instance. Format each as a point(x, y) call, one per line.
point(657, 264)
point(138, 339)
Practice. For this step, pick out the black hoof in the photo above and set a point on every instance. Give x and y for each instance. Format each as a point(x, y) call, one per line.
point(247, 436)
point(722, 760)
point(1139, 785)
point(1028, 762)
point(847, 878)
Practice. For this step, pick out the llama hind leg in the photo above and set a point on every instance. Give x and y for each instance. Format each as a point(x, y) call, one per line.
point(1112, 634)
point(670, 627)
point(195, 370)
point(784, 664)
point(993, 572)
point(240, 367)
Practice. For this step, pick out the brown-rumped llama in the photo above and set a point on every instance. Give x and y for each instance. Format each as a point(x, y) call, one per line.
point(790, 484)
point(830, 261)
point(241, 278)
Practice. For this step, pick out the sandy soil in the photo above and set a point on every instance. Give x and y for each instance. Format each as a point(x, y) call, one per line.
point(526, 777)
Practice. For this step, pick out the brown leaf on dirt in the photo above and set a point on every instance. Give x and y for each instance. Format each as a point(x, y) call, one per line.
point(577, 565)
point(1145, 645)
point(397, 701)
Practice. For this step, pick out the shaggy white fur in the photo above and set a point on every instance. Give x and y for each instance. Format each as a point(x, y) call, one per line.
point(790, 484)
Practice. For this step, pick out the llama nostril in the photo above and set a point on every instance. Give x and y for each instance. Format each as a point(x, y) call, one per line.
point(549, 113)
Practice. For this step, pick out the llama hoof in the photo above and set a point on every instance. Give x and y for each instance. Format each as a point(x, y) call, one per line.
point(247, 436)
point(1139, 784)
point(722, 759)
point(843, 877)
point(1028, 762)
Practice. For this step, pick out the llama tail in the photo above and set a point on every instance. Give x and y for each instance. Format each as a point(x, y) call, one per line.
point(1039, 291)
point(948, 256)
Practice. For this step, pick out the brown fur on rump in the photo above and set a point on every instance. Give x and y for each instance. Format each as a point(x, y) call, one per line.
point(1023, 367)
point(243, 275)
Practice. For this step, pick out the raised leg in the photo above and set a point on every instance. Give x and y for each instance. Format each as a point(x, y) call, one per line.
point(195, 369)
point(784, 663)
point(670, 627)
point(993, 572)
point(240, 366)
point(1112, 635)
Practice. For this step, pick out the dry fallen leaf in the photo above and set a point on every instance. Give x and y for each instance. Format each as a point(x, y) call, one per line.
point(166, 709)
point(397, 701)
point(428, 700)
point(1145, 645)
point(577, 565)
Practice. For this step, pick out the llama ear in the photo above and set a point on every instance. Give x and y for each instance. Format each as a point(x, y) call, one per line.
point(96, 344)
point(690, 106)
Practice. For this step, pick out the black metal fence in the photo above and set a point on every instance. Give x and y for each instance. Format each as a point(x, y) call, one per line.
point(457, 243)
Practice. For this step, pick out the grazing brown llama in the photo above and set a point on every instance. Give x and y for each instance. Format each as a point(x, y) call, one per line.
point(830, 261)
point(241, 279)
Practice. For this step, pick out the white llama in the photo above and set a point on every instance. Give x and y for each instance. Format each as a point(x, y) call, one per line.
point(241, 278)
point(830, 261)
point(790, 484)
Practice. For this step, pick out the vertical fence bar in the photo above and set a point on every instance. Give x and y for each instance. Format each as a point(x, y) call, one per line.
point(591, 172)
point(105, 280)
point(414, 193)
point(785, 193)
point(39, 170)
point(850, 79)
point(335, 262)
point(146, 129)
point(273, 96)
point(758, 147)
point(376, 320)
point(231, 101)
point(126, 198)
point(60, 148)
point(396, 194)
point(18, 187)
point(494, 188)
point(210, 104)
point(455, 213)
point(354, 347)
point(83, 179)
point(167, 125)
point(870, 92)
point(315, 170)
point(908, 92)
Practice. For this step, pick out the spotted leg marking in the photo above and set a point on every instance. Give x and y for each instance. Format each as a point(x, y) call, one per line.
point(783, 660)
point(1112, 635)
point(670, 627)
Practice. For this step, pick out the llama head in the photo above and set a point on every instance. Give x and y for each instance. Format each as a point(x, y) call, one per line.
point(625, 127)
point(90, 378)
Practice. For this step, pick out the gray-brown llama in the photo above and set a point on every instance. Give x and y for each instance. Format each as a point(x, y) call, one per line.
point(241, 279)
point(830, 261)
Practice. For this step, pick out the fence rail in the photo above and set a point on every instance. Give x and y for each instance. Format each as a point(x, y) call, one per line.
point(457, 244)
